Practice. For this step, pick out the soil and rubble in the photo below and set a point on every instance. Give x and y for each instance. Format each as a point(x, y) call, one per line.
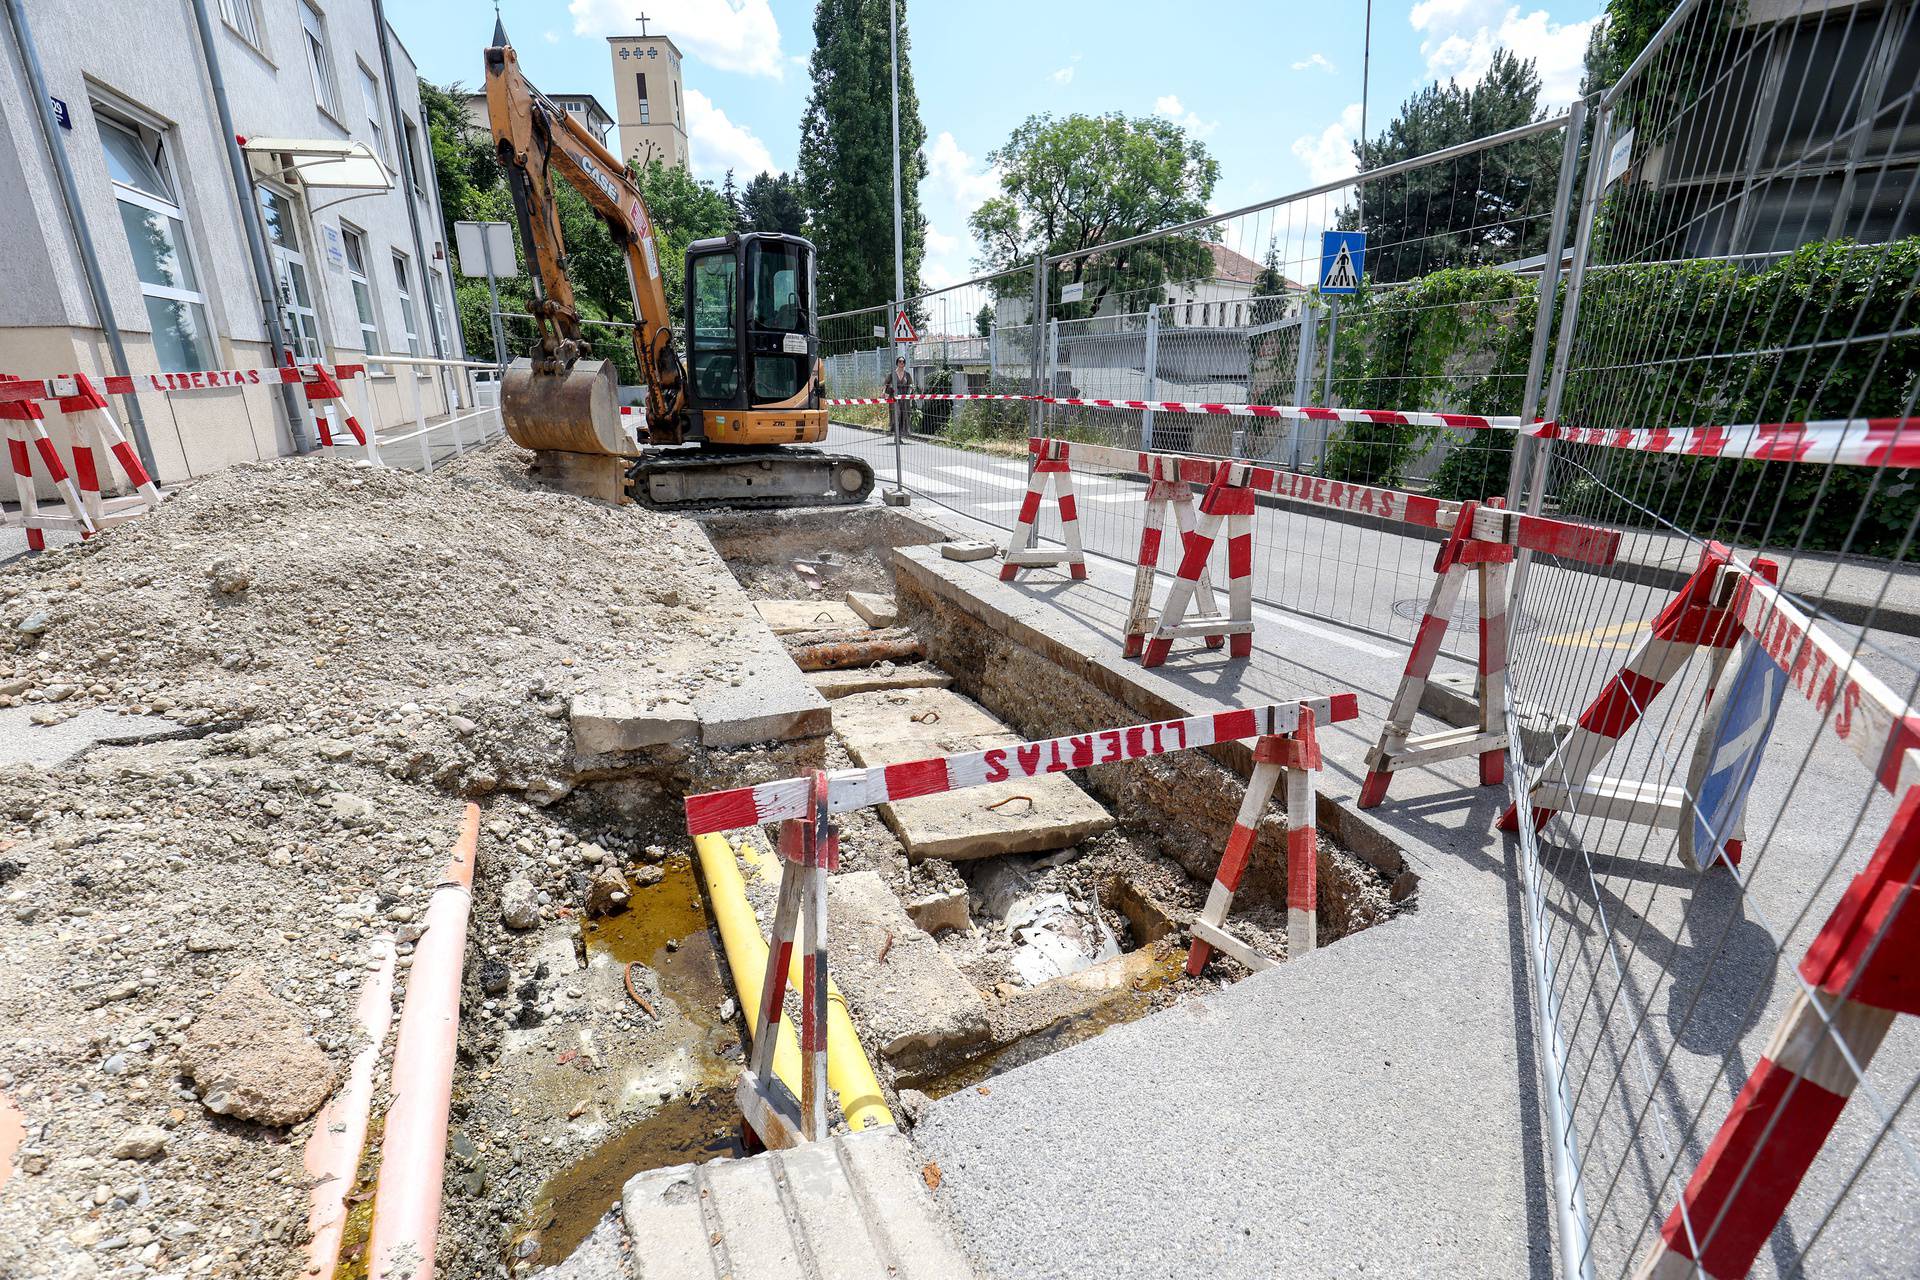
point(340, 655)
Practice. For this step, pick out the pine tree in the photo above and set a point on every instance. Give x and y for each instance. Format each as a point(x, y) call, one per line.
point(983, 322)
point(1482, 209)
point(846, 155)
point(774, 202)
point(730, 192)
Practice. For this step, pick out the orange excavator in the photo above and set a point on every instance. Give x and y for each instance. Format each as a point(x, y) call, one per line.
point(722, 423)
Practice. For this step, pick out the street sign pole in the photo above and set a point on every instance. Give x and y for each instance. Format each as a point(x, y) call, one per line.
point(493, 305)
point(898, 497)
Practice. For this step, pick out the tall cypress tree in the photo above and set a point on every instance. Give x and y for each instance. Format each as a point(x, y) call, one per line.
point(846, 155)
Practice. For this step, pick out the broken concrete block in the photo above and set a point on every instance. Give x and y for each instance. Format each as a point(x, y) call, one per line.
point(608, 723)
point(789, 617)
point(877, 610)
point(1026, 815)
point(249, 1054)
point(875, 679)
point(941, 909)
point(915, 1007)
point(970, 549)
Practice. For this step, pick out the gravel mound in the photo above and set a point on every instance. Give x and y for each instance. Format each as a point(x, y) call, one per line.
point(346, 654)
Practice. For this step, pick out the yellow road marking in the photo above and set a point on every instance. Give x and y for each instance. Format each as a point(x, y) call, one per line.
point(1617, 636)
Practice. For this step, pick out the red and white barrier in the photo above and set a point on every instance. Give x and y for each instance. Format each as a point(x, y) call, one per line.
point(1164, 488)
point(849, 789)
point(1050, 469)
point(323, 390)
point(26, 426)
point(1398, 748)
point(809, 849)
point(1862, 973)
point(1699, 617)
point(1228, 499)
point(1294, 757)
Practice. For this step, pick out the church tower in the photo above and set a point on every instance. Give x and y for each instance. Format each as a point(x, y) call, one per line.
point(647, 100)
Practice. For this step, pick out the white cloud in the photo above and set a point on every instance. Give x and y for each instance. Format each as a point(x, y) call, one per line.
point(728, 35)
point(551, 37)
point(718, 144)
point(1064, 75)
point(1458, 39)
point(959, 174)
point(1328, 154)
point(1314, 60)
point(1169, 105)
point(939, 242)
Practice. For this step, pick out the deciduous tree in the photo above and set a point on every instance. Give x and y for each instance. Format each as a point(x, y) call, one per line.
point(1082, 181)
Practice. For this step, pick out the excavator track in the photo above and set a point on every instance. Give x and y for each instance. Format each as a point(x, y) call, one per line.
point(748, 479)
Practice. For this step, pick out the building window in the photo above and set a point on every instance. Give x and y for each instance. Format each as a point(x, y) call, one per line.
point(319, 62)
point(156, 230)
point(413, 157)
point(356, 245)
point(242, 17)
point(370, 99)
point(640, 81)
point(406, 303)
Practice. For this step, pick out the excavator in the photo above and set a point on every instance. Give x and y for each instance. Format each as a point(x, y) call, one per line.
point(722, 424)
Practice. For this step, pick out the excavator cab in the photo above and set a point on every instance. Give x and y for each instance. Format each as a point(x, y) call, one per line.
point(753, 371)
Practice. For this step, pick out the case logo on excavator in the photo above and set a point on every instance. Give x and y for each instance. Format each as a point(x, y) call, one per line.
point(601, 180)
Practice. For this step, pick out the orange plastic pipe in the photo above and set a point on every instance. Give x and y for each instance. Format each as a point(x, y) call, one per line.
point(13, 1132)
point(406, 1200)
point(333, 1152)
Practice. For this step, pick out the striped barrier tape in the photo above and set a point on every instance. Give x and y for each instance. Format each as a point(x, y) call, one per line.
point(1385, 417)
point(60, 386)
point(1847, 442)
point(1543, 534)
point(861, 788)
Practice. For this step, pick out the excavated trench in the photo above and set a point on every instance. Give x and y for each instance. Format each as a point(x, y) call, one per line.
point(954, 968)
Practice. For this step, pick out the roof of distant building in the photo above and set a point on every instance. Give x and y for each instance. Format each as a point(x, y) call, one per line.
point(1228, 265)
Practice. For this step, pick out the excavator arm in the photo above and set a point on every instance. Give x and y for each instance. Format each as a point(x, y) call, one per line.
point(537, 141)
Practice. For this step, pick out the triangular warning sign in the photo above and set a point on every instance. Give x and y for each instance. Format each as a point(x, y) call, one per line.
point(1340, 275)
point(903, 327)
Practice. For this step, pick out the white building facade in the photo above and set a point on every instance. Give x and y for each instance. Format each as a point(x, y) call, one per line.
point(355, 261)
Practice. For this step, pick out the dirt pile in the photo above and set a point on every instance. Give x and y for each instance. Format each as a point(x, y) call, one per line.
point(342, 654)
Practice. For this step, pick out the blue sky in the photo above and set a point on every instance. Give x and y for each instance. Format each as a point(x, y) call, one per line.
point(1273, 88)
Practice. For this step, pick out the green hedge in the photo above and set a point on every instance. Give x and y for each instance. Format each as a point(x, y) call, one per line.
point(1732, 346)
point(1456, 339)
point(1714, 343)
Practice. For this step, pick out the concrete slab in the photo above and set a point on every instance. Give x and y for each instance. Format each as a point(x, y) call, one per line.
point(1030, 815)
point(855, 1207)
point(792, 617)
point(878, 610)
point(839, 684)
point(914, 1007)
point(24, 742)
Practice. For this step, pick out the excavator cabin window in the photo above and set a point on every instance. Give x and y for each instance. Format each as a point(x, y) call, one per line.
point(751, 323)
point(778, 311)
point(715, 342)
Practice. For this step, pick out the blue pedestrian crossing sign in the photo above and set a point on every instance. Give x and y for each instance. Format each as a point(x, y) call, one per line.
point(1343, 261)
point(1729, 754)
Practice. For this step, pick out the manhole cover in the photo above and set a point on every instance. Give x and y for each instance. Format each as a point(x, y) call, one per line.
point(1466, 614)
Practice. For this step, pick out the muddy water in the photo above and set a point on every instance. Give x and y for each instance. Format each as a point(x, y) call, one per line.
point(666, 929)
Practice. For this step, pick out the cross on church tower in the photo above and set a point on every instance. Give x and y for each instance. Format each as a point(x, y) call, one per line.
point(642, 20)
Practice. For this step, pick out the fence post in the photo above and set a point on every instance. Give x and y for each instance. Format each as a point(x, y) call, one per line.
point(1540, 452)
point(1036, 419)
point(1333, 338)
point(993, 354)
point(1053, 355)
point(1526, 445)
point(1308, 329)
point(1153, 374)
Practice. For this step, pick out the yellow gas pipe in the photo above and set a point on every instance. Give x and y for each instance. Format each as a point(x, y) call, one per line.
point(849, 1074)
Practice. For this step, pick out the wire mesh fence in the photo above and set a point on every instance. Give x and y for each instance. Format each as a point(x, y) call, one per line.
point(1722, 1100)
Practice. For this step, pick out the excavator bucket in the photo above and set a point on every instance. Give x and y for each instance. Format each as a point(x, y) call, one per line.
point(573, 412)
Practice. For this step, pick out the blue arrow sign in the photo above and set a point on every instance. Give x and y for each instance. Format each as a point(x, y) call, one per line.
point(1343, 261)
point(1732, 758)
